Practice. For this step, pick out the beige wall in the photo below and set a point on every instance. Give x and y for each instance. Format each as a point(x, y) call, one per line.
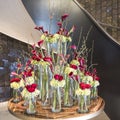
point(16, 22)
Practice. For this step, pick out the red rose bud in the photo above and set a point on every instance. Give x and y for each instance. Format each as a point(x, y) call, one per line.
point(33, 46)
point(15, 80)
point(28, 63)
point(40, 42)
point(19, 65)
point(70, 74)
point(33, 52)
point(81, 61)
point(59, 24)
point(88, 73)
point(73, 66)
point(63, 17)
point(96, 78)
point(46, 32)
point(39, 28)
point(48, 59)
point(76, 77)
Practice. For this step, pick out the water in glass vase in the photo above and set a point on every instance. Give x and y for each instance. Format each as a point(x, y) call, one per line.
point(56, 99)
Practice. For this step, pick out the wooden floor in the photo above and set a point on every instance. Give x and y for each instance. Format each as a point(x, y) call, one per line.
point(5, 115)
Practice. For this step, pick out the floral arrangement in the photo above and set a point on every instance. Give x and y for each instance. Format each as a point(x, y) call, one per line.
point(54, 73)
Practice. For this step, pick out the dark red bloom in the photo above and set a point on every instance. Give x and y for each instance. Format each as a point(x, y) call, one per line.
point(40, 42)
point(70, 74)
point(27, 73)
point(63, 17)
point(84, 86)
point(15, 80)
point(73, 66)
point(31, 88)
point(58, 77)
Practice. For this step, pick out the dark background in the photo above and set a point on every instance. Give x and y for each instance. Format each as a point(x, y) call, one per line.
point(106, 51)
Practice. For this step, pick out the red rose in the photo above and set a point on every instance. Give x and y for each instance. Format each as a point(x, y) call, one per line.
point(40, 42)
point(84, 86)
point(63, 17)
point(31, 88)
point(15, 80)
point(58, 77)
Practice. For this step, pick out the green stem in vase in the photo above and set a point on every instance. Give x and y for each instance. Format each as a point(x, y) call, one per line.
point(54, 99)
point(66, 96)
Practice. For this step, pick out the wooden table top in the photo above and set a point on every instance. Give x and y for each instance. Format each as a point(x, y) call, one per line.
point(18, 110)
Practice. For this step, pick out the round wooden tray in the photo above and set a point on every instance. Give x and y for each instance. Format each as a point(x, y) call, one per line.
point(18, 110)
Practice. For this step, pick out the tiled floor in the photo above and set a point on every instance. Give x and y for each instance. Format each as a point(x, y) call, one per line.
point(5, 115)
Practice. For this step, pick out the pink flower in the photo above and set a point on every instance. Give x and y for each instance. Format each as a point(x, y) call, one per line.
point(63, 17)
point(73, 47)
point(40, 42)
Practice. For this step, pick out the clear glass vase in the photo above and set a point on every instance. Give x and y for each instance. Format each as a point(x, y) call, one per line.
point(16, 95)
point(45, 85)
point(82, 104)
point(68, 93)
point(94, 93)
point(56, 99)
point(31, 106)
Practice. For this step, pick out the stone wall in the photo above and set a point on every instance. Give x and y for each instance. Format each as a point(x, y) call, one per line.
point(10, 51)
